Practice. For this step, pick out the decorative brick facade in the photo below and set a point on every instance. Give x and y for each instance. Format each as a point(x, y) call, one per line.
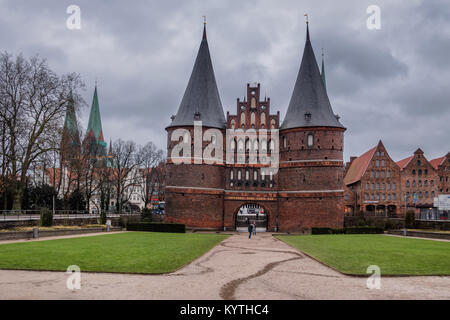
point(307, 189)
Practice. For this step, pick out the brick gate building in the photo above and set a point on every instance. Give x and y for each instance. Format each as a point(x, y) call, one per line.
point(305, 191)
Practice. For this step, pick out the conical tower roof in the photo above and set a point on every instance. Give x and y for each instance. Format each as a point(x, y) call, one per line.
point(309, 105)
point(201, 100)
point(70, 140)
point(95, 121)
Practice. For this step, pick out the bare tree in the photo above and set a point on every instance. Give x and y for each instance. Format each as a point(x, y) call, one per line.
point(127, 158)
point(33, 102)
point(149, 175)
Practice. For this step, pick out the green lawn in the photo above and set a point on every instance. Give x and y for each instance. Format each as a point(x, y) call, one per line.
point(133, 252)
point(352, 254)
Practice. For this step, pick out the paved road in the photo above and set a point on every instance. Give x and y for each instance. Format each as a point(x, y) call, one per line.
point(238, 268)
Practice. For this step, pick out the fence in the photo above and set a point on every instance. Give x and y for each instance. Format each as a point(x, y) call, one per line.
point(24, 215)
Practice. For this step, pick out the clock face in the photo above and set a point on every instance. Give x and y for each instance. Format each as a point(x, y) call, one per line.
point(263, 107)
point(242, 107)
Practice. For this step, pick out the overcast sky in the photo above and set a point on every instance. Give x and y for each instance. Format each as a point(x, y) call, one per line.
point(390, 84)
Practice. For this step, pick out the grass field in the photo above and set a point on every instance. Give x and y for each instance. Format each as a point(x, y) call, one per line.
point(352, 254)
point(133, 252)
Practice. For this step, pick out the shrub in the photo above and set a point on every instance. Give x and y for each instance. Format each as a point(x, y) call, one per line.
point(46, 218)
point(410, 220)
point(363, 230)
point(157, 227)
point(338, 231)
point(321, 230)
point(103, 217)
point(146, 215)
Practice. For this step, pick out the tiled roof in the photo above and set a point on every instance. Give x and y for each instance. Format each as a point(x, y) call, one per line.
point(359, 167)
point(403, 163)
point(437, 162)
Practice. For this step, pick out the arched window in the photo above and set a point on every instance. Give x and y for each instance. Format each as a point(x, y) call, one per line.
point(233, 124)
point(239, 175)
point(253, 119)
point(264, 145)
point(247, 175)
point(310, 140)
point(231, 175)
point(233, 145)
point(263, 120)
point(284, 142)
point(263, 175)
point(255, 175)
point(272, 123)
point(253, 103)
point(247, 145)
point(271, 146)
point(240, 145)
point(242, 119)
point(255, 145)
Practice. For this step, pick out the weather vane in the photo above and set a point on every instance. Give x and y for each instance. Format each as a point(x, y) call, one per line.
point(204, 19)
point(307, 20)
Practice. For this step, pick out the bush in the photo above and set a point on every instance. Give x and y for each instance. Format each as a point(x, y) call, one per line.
point(410, 220)
point(46, 218)
point(363, 230)
point(103, 217)
point(146, 215)
point(321, 230)
point(157, 227)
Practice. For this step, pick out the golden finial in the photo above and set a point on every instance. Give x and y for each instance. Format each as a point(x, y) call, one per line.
point(307, 19)
point(204, 19)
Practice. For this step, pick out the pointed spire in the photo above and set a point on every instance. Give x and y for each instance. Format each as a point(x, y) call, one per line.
point(94, 132)
point(70, 141)
point(201, 100)
point(309, 105)
point(322, 73)
point(110, 147)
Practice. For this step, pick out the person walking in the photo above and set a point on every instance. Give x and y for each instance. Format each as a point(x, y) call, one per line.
point(254, 228)
point(250, 230)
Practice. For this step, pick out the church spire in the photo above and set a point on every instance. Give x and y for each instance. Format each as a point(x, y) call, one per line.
point(201, 100)
point(70, 146)
point(309, 105)
point(94, 132)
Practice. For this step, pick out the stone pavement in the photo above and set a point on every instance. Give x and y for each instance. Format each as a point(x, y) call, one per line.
point(238, 268)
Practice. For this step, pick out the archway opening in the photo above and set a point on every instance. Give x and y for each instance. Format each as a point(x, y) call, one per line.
point(248, 213)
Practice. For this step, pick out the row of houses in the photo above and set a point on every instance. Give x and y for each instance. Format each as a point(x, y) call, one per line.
point(375, 183)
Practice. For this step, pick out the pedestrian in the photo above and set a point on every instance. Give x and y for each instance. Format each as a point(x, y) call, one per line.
point(254, 228)
point(247, 221)
point(250, 230)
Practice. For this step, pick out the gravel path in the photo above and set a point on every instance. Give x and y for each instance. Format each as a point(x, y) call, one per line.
point(238, 268)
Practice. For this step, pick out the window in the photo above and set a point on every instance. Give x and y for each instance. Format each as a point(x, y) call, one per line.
point(389, 186)
point(378, 153)
point(366, 196)
point(263, 120)
point(426, 183)
point(382, 174)
point(414, 172)
point(241, 145)
point(255, 175)
point(431, 182)
point(389, 197)
point(382, 186)
point(378, 186)
point(383, 196)
point(233, 145)
point(382, 153)
point(371, 174)
point(373, 186)
point(388, 174)
point(284, 142)
point(377, 163)
point(382, 163)
point(247, 175)
point(239, 175)
point(432, 194)
point(420, 172)
point(377, 174)
point(414, 183)
point(426, 194)
point(420, 183)
point(231, 175)
point(394, 196)
point(394, 186)
point(367, 186)
point(426, 171)
point(407, 183)
point(310, 140)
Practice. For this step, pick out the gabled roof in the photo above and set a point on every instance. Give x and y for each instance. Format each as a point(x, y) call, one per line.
point(437, 162)
point(359, 167)
point(404, 162)
point(309, 105)
point(201, 100)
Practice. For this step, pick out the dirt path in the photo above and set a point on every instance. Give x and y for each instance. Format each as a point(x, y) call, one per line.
point(238, 268)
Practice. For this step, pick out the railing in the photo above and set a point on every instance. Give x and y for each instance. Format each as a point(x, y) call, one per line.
point(21, 215)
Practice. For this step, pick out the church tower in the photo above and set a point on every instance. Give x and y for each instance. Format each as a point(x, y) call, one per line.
point(94, 142)
point(194, 189)
point(70, 147)
point(311, 154)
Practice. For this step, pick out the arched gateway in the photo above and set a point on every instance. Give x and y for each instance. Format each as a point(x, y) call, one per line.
point(248, 213)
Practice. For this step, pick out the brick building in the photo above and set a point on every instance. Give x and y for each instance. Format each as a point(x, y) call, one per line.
point(307, 188)
point(374, 183)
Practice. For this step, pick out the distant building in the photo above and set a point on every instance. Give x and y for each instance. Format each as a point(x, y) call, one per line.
point(375, 184)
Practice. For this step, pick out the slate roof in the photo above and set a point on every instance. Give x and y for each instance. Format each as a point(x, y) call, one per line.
point(201, 100)
point(309, 105)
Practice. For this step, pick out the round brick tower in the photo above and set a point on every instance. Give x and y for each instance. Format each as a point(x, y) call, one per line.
point(194, 189)
point(311, 171)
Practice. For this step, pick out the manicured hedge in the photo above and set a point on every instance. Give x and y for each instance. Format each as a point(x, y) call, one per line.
point(157, 227)
point(348, 230)
point(363, 230)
